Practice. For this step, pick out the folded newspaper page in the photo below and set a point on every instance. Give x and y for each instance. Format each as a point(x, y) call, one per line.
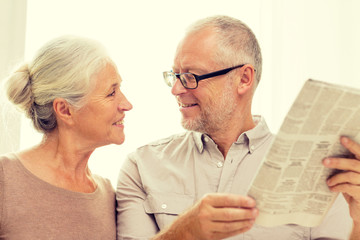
point(290, 186)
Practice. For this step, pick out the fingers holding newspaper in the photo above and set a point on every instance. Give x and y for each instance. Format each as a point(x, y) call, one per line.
point(217, 216)
point(348, 180)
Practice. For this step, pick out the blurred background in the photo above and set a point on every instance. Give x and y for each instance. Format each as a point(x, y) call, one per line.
point(300, 39)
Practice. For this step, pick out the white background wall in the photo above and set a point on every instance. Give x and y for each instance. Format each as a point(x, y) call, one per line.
point(12, 46)
point(300, 39)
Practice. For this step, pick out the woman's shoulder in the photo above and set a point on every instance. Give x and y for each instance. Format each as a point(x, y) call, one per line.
point(9, 167)
point(8, 159)
point(103, 183)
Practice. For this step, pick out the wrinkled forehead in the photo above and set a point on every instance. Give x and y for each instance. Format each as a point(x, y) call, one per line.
point(197, 48)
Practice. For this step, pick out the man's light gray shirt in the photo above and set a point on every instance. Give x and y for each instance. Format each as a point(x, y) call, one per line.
point(161, 180)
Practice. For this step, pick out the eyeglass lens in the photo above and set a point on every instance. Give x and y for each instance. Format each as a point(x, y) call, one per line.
point(188, 80)
point(170, 78)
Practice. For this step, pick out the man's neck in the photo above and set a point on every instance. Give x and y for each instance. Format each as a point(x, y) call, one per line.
point(226, 137)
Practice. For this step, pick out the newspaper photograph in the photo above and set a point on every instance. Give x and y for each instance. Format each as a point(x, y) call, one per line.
point(290, 185)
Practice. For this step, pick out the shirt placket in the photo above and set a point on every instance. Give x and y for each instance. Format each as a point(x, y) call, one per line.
point(237, 153)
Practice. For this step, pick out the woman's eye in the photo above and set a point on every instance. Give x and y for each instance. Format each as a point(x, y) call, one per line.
point(112, 94)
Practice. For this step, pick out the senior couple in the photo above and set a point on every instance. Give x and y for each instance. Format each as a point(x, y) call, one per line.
point(187, 186)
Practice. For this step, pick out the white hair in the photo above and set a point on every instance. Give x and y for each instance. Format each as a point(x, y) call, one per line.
point(62, 68)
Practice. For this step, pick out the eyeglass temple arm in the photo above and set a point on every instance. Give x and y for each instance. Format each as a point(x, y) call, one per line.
point(217, 73)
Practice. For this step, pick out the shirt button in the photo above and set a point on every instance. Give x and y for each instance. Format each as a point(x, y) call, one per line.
point(163, 206)
point(252, 147)
point(219, 164)
point(206, 139)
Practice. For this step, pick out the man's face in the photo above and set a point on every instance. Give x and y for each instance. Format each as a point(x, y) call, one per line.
point(208, 107)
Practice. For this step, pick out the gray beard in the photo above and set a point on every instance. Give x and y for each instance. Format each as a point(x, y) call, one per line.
point(214, 117)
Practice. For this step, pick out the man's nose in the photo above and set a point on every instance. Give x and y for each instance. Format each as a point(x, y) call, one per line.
point(178, 88)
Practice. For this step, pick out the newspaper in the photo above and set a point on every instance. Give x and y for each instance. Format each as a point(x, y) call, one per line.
point(290, 185)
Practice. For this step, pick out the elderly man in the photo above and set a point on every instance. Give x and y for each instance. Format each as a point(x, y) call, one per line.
point(193, 185)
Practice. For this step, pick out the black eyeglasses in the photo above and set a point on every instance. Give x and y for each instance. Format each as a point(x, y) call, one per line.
point(190, 80)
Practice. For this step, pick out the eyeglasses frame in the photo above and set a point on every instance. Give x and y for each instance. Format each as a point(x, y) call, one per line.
point(204, 76)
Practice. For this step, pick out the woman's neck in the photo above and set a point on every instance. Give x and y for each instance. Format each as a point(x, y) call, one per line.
point(60, 163)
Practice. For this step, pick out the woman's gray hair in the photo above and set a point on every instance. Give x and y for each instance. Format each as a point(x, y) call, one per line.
point(62, 68)
point(236, 41)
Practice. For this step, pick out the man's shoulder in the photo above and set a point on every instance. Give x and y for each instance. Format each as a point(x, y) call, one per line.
point(173, 143)
point(172, 139)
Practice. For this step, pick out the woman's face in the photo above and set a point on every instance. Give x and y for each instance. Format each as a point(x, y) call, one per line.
point(101, 120)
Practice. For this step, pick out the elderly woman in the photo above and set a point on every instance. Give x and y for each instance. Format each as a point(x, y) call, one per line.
point(71, 92)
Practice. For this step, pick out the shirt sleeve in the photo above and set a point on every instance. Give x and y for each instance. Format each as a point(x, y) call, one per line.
point(132, 220)
point(337, 223)
point(2, 193)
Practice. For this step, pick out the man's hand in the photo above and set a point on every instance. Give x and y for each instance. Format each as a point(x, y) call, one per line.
point(347, 181)
point(215, 216)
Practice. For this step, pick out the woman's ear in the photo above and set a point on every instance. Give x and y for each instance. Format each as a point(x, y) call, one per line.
point(63, 110)
point(247, 79)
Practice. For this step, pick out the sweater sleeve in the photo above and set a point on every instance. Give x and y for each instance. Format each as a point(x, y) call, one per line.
point(2, 193)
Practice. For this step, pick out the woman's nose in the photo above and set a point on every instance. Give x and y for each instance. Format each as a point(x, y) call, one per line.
point(124, 104)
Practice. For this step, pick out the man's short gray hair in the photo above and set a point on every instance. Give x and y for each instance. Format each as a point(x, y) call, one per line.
point(236, 41)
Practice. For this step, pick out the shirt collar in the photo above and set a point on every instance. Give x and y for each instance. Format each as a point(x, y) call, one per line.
point(252, 138)
point(198, 139)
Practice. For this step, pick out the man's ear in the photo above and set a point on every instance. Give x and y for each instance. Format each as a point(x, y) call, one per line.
point(247, 79)
point(63, 110)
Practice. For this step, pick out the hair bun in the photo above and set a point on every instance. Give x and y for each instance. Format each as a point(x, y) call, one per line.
point(19, 88)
